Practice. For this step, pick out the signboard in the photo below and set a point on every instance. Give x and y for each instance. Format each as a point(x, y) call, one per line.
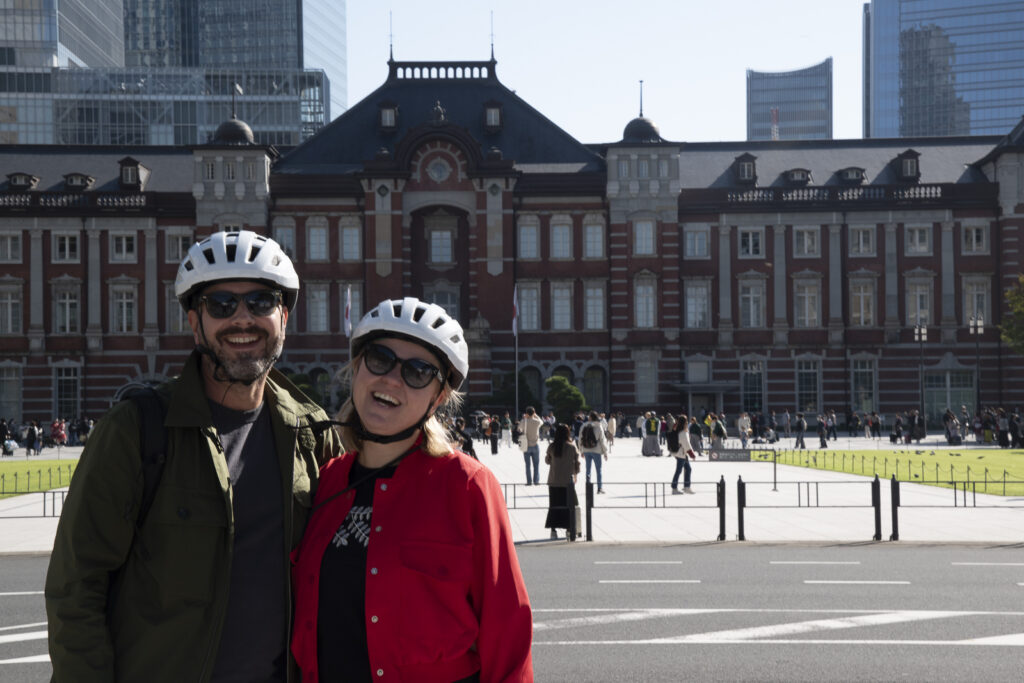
point(730, 455)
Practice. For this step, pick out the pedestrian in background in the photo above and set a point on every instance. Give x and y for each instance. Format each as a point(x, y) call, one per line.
point(679, 446)
point(594, 446)
point(800, 427)
point(651, 427)
point(564, 458)
point(531, 425)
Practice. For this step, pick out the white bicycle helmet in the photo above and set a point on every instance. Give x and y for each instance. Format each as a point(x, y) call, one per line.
point(242, 255)
point(421, 322)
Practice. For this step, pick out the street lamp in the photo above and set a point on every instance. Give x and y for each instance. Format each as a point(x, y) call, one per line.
point(921, 336)
point(977, 326)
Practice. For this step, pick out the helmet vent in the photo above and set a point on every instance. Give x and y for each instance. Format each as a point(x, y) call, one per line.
point(455, 339)
point(231, 250)
point(418, 313)
point(188, 265)
point(438, 323)
point(397, 309)
point(254, 252)
point(208, 253)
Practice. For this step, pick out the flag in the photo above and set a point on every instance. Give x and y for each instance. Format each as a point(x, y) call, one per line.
point(515, 310)
point(348, 311)
point(238, 89)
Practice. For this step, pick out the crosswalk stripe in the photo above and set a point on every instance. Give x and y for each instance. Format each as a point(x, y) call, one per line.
point(21, 637)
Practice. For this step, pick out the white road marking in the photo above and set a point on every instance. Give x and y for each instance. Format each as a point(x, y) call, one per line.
point(21, 637)
point(13, 628)
point(617, 617)
point(7, 595)
point(34, 659)
point(796, 562)
point(639, 562)
point(862, 583)
point(650, 581)
point(987, 564)
point(1010, 639)
point(808, 641)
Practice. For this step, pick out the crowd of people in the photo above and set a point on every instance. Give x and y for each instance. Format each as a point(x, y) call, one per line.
point(33, 436)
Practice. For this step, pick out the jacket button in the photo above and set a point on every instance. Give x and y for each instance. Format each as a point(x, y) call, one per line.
point(373, 619)
point(380, 672)
point(373, 570)
point(383, 487)
point(184, 513)
point(379, 529)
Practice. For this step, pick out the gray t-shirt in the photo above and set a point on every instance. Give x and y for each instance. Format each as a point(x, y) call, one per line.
point(252, 645)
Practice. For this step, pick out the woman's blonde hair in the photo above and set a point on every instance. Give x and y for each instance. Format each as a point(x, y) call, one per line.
point(436, 441)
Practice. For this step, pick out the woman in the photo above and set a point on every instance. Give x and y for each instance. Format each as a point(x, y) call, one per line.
point(464, 440)
point(679, 446)
point(696, 435)
point(564, 458)
point(495, 433)
point(407, 570)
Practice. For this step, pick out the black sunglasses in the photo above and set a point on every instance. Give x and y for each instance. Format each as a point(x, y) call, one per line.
point(416, 373)
point(260, 303)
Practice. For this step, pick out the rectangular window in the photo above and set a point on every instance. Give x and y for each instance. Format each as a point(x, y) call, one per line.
point(10, 248)
point(805, 306)
point(643, 168)
point(663, 168)
point(623, 168)
point(177, 318)
point(594, 307)
point(561, 306)
point(752, 385)
point(441, 248)
point(919, 241)
point(529, 307)
point(285, 237)
point(493, 117)
point(387, 117)
point(862, 304)
point(10, 392)
point(975, 299)
point(593, 241)
point(561, 241)
point(65, 248)
point(65, 312)
point(122, 314)
point(250, 171)
point(129, 175)
point(751, 242)
point(863, 385)
point(644, 302)
point(10, 311)
point(177, 247)
point(643, 238)
point(808, 380)
point(646, 378)
point(919, 303)
point(122, 248)
point(751, 305)
point(862, 241)
point(529, 245)
point(316, 308)
point(317, 247)
point(350, 247)
point(746, 170)
point(698, 305)
point(975, 239)
point(229, 170)
point(66, 398)
point(696, 241)
point(806, 242)
point(209, 170)
point(446, 299)
point(909, 168)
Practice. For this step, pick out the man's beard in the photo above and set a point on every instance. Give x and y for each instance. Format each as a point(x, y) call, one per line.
point(248, 367)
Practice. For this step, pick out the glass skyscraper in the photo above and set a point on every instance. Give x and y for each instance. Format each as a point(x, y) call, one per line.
point(44, 33)
point(790, 105)
point(943, 67)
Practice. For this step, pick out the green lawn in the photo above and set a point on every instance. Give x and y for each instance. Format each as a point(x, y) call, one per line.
point(997, 471)
point(34, 475)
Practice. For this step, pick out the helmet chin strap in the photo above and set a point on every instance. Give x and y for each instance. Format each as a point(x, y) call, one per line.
point(220, 373)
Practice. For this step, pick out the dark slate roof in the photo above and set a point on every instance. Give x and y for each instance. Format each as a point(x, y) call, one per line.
point(942, 160)
point(527, 138)
point(171, 167)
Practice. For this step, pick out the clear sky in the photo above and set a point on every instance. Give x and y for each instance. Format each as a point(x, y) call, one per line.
point(580, 62)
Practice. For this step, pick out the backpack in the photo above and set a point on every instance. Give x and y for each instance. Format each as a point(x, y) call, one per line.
point(153, 439)
point(587, 437)
point(719, 429)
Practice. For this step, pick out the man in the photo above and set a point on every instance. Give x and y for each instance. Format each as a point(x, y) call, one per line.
point(594, 446)
point(530, 425)
point(800, 428)
point(198, 590)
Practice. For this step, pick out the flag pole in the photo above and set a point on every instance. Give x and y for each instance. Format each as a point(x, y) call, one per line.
point(515, 336)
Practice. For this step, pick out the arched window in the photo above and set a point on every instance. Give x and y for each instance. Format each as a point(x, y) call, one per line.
point(594, 387)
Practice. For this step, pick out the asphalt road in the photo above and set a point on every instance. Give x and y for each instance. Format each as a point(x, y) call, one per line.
point(717, 612)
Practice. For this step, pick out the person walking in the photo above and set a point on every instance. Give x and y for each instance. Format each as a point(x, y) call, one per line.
point(407, 570)
point(613, 424)
point(531, 428)
point(679, 447)
point(696, 435)
point(800, 428)
point(651, 426)
point(506, 430)
point(594, 446)
point(564, 458)
point(823, 431)
point(494, 433)
point(464, 440)
point(197, 589)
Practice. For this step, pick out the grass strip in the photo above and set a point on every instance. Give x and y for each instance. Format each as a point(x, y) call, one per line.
point(32, 476)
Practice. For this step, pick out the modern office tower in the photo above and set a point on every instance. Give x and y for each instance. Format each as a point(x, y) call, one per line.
point(790, 105)
point(41, 33)
point(941, 67)
point(324, 31)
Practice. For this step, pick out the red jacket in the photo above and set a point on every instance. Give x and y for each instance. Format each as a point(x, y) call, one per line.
point(444, 593)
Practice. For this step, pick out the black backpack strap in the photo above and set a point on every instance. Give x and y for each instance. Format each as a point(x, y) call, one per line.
point(153, 438)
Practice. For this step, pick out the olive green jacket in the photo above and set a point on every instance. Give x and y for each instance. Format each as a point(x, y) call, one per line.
point(166, 619)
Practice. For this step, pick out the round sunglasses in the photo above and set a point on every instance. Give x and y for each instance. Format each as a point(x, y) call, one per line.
point(261, 303)
point(416, 373)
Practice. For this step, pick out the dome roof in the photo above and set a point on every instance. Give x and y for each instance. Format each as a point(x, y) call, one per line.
point(233, 132)
point(641, 129)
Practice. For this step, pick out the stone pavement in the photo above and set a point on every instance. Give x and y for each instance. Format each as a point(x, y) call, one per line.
point(799, 505)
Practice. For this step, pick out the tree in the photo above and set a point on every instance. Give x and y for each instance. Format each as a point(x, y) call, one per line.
point(505, 397)
point(565, 399)
point(1012, 329)
point(306, 386)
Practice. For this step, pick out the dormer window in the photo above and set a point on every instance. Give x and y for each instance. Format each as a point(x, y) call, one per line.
point(388, 116)
point(77, 181)
point(21, 181)
point(492, 117)
point(130, 175)
point(907, 167)
point(745, 169)
point(799, 176)
point(852, 175)
point(133, 174)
